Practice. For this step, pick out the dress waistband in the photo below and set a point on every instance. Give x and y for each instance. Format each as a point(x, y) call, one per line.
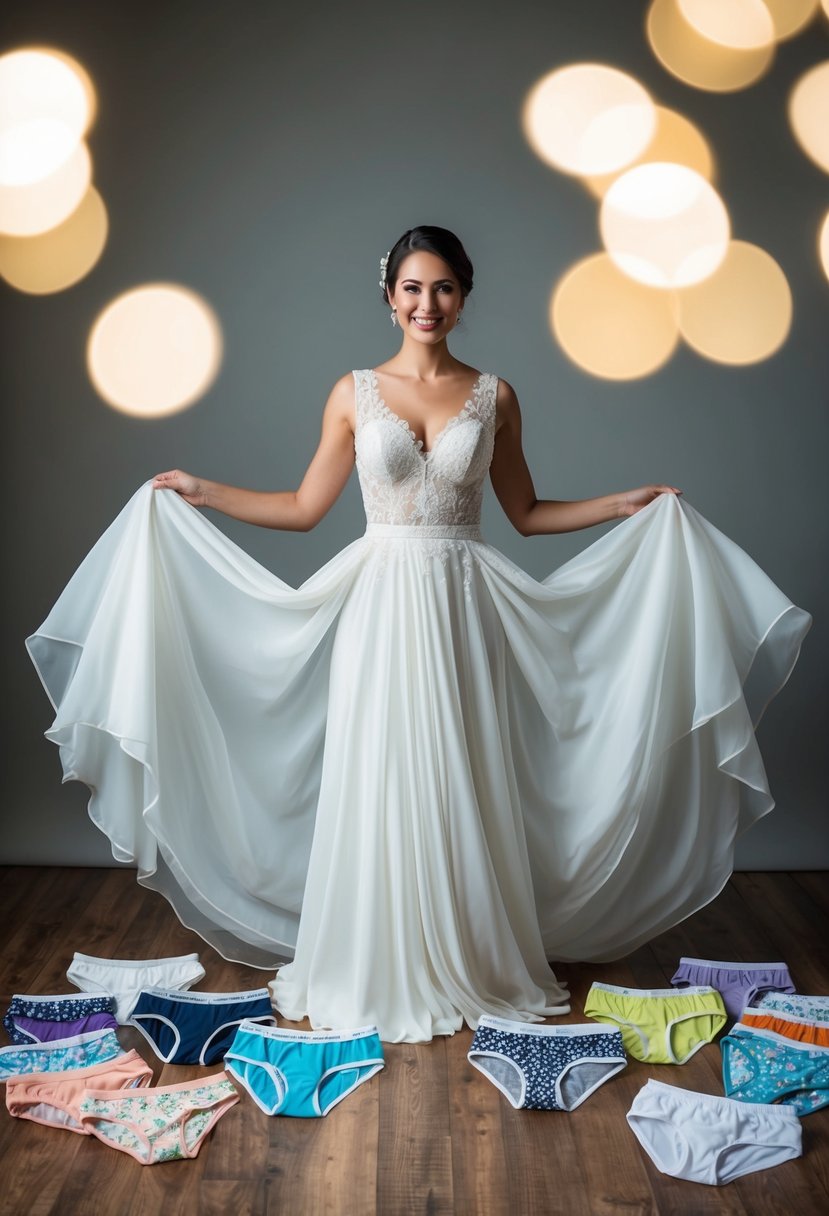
point(423, 532)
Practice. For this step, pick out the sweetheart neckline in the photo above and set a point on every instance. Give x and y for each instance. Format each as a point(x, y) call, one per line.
point(387, 411)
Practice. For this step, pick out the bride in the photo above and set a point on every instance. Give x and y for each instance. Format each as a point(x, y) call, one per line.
point(423, 773)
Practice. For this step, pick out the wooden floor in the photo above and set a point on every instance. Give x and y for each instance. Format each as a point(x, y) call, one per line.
point(429, 1134)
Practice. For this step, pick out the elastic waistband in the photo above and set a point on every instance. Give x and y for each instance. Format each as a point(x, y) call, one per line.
point(786, 1114)
point(488, 1022)
point(24, 997)
point(701, 990)
point(280, 1033)
point(707, 962)
point(208, 998)
point(740, 1030)
point(133, 962)
point(423, 532)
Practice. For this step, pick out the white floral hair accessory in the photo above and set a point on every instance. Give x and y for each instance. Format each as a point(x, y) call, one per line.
point(383, 264)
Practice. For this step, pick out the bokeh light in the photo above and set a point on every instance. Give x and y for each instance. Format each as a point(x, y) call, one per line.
point(35, 208)
point(823, 241)
point(154, 350)
point(742, 313)
point(675, 140)
point(664, 225)
point(588, 118)
point(742, 25)
point(809, 113)
point(698, 61)
point(790, 16)
point(609, 325)
point(58, 258)
point(46, 106)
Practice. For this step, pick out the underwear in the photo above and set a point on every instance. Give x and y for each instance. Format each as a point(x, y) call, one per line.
point(196, 1027)
point(703, 1138)
point(39, 1019)
point(810, 1008)
point(760, 1066)
point(801, 1030)
point(659, 1025)
point(302, 1072)
point(737, 983)
point(82, 1051)
point(124, 978)
point(168, 1123)
point(545, 1067)
point(54, 1098)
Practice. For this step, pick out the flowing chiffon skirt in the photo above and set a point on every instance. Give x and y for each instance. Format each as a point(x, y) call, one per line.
point(452, 770)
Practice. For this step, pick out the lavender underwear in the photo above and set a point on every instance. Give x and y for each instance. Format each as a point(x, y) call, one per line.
point(43, 1019)
point(737, 983)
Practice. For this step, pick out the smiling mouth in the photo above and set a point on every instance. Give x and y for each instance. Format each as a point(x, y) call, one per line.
point(426, 322)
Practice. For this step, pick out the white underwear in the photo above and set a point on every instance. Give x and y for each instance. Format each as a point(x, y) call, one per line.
point(123, 978)
point(703, 1138)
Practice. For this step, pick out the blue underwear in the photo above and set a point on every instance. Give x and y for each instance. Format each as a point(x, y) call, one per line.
point(32, 1019)
point(81, 1051)
point(545, 1067)
point(300, 1072)
point(196, 1027)
point(812, 1008)
point(761, 1066)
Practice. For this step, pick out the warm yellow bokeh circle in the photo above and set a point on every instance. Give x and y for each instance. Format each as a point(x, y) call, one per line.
point(154, 350)
point(609, 325)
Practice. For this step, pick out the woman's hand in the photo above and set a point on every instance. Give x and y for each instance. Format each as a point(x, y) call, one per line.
point(188, 487)
point(635, 500)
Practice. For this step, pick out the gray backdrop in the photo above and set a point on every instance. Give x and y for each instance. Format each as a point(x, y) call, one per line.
point(267, 158)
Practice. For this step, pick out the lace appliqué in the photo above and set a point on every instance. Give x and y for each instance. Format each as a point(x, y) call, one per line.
point(405, 485)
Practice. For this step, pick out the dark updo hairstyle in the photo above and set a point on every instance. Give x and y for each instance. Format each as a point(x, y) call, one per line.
point(439, 241)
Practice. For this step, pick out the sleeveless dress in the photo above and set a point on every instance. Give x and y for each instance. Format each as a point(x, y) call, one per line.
point(423, 773)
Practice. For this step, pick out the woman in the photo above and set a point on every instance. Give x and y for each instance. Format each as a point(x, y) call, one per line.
point(452, 770)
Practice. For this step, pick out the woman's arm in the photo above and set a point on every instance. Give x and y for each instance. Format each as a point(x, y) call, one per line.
point(514, 488)
point(292, 510)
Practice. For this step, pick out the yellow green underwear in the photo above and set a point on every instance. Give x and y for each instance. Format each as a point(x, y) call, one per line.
point(659, 1025)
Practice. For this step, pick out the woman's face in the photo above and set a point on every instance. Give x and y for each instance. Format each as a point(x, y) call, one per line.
point(427, 297)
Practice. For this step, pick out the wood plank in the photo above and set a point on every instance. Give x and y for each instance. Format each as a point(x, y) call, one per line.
point(414, 1165)
point(430, 1133)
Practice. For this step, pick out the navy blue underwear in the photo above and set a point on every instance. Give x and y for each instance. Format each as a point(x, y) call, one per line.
point(196, 1027)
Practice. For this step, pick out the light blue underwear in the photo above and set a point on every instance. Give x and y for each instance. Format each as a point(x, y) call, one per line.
point(812, 1008)
point(81, 1051)
point(300, 1072)
point(761, 1066)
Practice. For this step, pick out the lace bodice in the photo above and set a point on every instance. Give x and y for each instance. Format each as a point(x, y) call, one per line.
point(402, 483)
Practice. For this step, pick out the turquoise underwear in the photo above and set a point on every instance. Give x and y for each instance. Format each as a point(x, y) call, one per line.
point(300, 1072)
point(61, 1055)
point(761, 1066)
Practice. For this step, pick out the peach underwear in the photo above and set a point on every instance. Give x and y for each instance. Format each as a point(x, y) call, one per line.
point(55, 1098)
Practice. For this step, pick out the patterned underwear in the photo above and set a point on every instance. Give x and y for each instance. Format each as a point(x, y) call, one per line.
point(760, 1066)
point(168, 1123)
point(39, 1019)
point(123, 978)
point(737, 983)
point(79, 1051)
point(809, 1008)
point(659, 1025)
point(54, 1098)
point(545, 1067)
point(704, 1138)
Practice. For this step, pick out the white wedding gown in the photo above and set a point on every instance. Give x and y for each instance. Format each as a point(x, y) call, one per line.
point(423, 773)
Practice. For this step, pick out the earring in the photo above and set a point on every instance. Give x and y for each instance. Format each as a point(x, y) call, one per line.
point(458, 319)
point(394, 316)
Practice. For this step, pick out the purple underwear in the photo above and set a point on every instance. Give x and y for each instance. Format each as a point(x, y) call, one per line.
point(737, 983)
point(44, 1019)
